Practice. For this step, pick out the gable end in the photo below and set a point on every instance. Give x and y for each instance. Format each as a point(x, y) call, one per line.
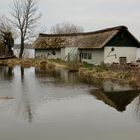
point(124, 38)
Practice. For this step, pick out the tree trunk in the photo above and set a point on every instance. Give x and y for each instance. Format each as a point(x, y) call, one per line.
point(21, 48)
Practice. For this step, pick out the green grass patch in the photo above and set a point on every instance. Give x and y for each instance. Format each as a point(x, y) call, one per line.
point(88, 66)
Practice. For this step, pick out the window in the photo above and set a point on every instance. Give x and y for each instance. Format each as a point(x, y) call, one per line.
point(86, 56)
point(123, 60)
point(89, 56)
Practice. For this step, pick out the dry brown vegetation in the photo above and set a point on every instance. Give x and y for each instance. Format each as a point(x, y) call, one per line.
point(27, 63)
point(103, 72)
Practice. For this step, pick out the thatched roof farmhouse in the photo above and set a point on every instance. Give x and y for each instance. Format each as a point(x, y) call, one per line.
point(110, 45)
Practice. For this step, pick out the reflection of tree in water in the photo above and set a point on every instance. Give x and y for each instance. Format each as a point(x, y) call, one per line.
point(22, 73)
point(6, 73)
point(25, 107)
point(9, 73)
point(117, 99)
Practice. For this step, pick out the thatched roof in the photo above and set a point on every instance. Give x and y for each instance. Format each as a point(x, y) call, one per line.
point(97, 39)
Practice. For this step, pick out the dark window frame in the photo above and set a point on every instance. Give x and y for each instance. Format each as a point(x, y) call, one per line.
point(86, 55)
point(123, 60)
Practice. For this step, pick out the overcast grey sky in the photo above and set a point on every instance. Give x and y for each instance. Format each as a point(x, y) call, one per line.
point(90, 14)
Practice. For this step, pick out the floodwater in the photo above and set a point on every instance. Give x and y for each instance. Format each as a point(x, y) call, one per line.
point(35, 105)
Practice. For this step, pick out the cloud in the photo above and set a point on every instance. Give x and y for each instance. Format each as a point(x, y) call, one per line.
point(90, 14)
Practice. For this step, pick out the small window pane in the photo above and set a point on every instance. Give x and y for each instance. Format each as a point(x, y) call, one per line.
point(89, 55)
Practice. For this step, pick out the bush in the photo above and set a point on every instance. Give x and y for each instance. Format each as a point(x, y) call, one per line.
point(88, 66)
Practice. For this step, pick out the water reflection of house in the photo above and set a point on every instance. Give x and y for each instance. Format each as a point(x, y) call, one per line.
point(69, 77)
point(110, 45)
point(117, 99)
point(60, 76)
point(110, 86)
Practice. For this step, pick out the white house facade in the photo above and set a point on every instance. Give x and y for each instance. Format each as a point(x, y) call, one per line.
point(90, 56)
point(69, 53)
point(126, 54)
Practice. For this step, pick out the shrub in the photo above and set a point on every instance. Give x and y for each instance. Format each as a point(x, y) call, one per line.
point(88, 66)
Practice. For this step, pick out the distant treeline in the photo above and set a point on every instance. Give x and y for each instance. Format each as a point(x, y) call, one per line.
point(27, 46)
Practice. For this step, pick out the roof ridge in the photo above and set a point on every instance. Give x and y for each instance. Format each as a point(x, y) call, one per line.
point(85, 33)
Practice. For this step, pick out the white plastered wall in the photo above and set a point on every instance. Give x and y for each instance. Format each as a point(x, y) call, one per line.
point(129, 52)
point(97, 56)
point(138, 53)
point(69, 53)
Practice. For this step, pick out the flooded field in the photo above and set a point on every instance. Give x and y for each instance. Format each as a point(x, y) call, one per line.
point(35, 105)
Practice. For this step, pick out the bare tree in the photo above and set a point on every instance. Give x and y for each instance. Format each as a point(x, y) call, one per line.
point(25, 20)
point(66, 28)
point(4, 24)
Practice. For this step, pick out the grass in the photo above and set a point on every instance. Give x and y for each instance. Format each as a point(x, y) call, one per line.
point(88, 66)
point(91, 73)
